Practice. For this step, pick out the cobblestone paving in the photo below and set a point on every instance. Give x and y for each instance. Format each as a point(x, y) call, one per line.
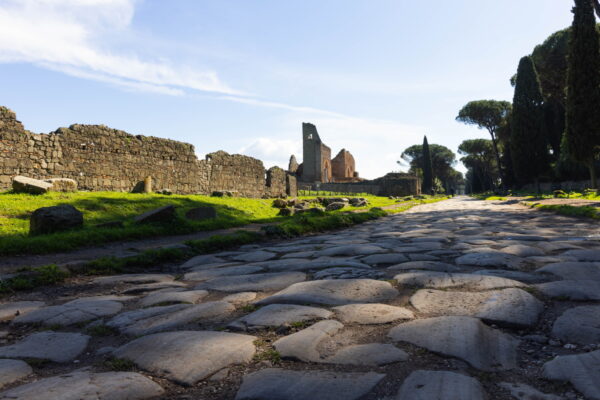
point(456, 300)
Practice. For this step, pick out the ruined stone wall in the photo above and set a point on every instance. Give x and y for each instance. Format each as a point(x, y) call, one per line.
point(389, 185)
point(343, 166)
point(101, 158)
point(276, 182)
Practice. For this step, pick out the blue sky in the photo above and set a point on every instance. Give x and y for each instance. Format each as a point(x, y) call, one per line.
point(242, 75)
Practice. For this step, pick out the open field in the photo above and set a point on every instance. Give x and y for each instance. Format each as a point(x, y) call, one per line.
point(102, 207)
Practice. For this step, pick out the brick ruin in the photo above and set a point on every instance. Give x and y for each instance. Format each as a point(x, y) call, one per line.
point(319, 171)
point(101, 158)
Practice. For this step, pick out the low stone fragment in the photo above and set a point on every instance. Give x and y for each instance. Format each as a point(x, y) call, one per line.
point(9, 311)
point(371, 313)
point(334, 292)
point(440, 280)
point(303, 345)
point(579, 325)
point(440, 385)
point(280, 384)
point(53, 346)
point(83, 385)
point(466, 338)
point(368, 354)
point(62, 184)
point(255, 282)
point(70, 313)
point(187, 357)
point(164, 214)
point(521, 250)
point(582, 370)
point(571, 290)
point(157, 319)
point(522, 391)
point(507, 307)
point(23, 184)
point(52, 219)
point(275, 315)
point(187, 296)
point(13, 370)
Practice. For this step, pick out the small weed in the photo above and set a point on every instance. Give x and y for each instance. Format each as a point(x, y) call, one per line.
point(299, 324)
point(42, 276)
point(249, 308)
point(119, 364)
point(269, 355)
point(102, 330)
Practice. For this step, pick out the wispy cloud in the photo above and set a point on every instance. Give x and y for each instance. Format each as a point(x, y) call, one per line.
point(63, 35)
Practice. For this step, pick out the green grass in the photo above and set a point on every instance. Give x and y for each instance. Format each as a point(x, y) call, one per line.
point(118, 364)
point(46, 275)
point(102, 330)
point(102, 207)
point(572, 211)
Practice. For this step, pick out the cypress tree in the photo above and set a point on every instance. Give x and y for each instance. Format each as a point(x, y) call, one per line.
point(528, 143)
point(583, 88)
point(427, 168)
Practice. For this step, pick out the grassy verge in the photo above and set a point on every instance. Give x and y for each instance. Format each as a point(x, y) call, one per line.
point(103, 207)
point(297, 225)
point(571, 211)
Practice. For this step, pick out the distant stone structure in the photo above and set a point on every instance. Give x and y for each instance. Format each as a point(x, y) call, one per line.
point(317, 165)
point(318, 171)
point(101, 158)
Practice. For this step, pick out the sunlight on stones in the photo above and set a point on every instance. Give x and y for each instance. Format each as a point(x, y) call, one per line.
point(366, 314)
point(441, 280)
point(275, 315)
point(303, 345)
point(187, 357)
point(12, 371)
point(255, 282)
point(8, 311)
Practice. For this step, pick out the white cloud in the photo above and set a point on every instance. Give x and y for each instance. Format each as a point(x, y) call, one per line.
point(63, 35)
point(272, 151)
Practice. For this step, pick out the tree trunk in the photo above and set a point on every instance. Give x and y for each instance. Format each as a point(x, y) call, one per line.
point(593, 177)
point(497, 154)
point(537, 185)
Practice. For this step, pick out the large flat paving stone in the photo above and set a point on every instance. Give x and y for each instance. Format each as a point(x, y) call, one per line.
point(348, 273)
point(520, 276)
point(390, 258)
point(370, 313)
point(334, 292)
point(187, 357)
point(425, 265)
point(13, 370)
point(176, 296)
point(579, 325)
point(8, 311)
point(158, 319)
point(303, 345)
point(440, 385)
point(507, 307)
point(372, 354)
point(582, 370)
point(573, 270)
point(571, 290)
point(352, 250)
point(275, 315)
point(304, 264)
point(280, 384)
point(521, 391)
point(521, 250)
point(466, 338)
point(88, 386)
point(491, 260)
point(256, 282)
point(442, 280)
point(134, 278)
point(583, 255)
point(253, 256)
point(205, 274)
point(70, 313)
point(53, 346)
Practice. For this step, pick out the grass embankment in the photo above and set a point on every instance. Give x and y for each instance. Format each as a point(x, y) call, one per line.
point(532, 200)
point(297, 225)
point(102, 207)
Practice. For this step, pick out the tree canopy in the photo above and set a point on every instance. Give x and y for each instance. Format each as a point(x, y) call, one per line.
point(583, 88)
point(427, 167)
point(442, 159)
point(528, 144)
point(480, 160)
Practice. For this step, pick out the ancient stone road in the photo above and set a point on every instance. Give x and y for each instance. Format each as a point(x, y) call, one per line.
point(457, 300)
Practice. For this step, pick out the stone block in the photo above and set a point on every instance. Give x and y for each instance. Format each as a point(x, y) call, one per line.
point(23, 184)
point(53, 219)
